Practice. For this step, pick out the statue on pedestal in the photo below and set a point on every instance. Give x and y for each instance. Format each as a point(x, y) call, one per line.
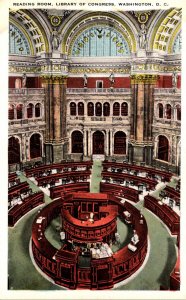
point(85, 80)
point(174, 80)
point(112, 80)
point(143, 37)
point(55, 40)
point(24, 79)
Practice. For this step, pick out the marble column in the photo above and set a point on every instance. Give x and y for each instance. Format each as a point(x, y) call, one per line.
point(111, 143)
point(142, 108)
point(55, 116)
point(85, 142)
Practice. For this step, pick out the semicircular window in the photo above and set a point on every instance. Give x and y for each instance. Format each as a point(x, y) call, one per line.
point(100, 40)
point(18, 44)
point(177, 44)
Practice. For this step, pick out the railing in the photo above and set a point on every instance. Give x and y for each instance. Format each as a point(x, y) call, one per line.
point(23, 91)
point(98, 118)
point(22, 122)
point(97, 90)
point(167, 91)
point(77, 118)
point(167, 121)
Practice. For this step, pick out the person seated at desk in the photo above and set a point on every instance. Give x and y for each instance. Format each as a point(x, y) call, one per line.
point(135, 238)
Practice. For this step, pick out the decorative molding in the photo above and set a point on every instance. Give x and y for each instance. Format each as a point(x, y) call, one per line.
point(142, 16)
point(90, 19)
point(25, 32)
point(88, 70)
point(144, 78)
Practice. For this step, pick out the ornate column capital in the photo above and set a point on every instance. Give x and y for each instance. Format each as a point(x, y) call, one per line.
point(54, 79)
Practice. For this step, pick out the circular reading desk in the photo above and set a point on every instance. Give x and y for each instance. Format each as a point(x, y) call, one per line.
point(89, 226)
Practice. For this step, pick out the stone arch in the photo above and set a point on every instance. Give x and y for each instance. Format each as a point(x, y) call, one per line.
point(120, 142)
point(35, 145)
point(77, 141)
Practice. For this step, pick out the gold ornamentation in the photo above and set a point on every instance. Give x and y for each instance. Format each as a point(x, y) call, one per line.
point(22, 29)
point(173, 37)
point(144, 78)
point(98, 70)
point(42, 31)
point(142, 16)
point(55, 20)
point(128, 35)
point(54, 79)
point(158, 33)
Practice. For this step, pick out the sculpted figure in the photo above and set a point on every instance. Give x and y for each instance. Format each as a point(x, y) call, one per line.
point(142, 37)
point(55, 40)
point(24, 78)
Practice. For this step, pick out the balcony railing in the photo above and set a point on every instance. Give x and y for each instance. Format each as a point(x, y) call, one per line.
point(23, 91)
point(97, 90)
point(22, 122)
point(166, 91)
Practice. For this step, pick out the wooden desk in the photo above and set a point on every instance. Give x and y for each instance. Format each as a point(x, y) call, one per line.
point(12, 177)
point(121, 191)
point(173, 194)
point(55, 192)
point(19, 210)
point(164, 212)
point(165, 176)
point(35, 172)
point(151, 183)
point(75, 176)
point(18, 189)
point(103, 273)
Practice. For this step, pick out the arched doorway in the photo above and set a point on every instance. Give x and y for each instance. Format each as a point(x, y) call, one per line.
point(98, 142)
point(13, 151)
point(77, 142)
point(120, 143)
point(35, 146)
point(163, 148)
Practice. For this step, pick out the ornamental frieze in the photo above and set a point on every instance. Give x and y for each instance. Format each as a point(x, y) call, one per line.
point(144, 78)
point(98, 70)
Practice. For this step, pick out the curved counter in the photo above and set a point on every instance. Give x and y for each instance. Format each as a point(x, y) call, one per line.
point(62, 265)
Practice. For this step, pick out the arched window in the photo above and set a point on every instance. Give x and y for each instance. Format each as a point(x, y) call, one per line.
point(38, 110)
point(73, 109)
point(177, 44)
point(35, 146)
point(11, 112)
point(178, 113)
point(90, 109)
point(124, 109)
point(100, 40)
point(18, 43)
point(19, 110)
point(160, 110)
point(18, 83)
point(30, 109)
point(116, 109)
point(77, 142)
point(13, 150)
point(106, 109)
point(80, 109)
point(168, 111)
point(98, 142)
point(98, 109)
point(163, 148)
point(120, 143)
